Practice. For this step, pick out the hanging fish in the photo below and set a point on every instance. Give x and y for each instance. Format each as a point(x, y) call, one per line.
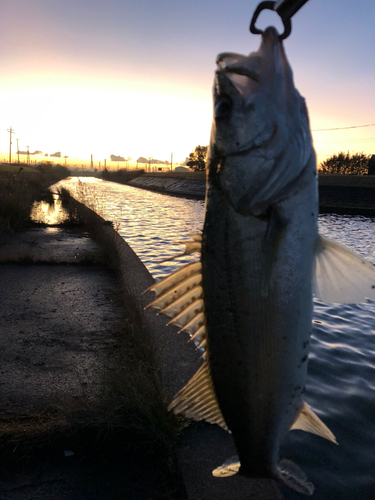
point(249, 300)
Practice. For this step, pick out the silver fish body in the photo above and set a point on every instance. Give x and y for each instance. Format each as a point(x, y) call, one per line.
point(258, 247)
point(248, 302)
point(258, 343)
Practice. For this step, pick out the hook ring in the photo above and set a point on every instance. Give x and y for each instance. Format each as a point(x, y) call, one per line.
point(269, 5)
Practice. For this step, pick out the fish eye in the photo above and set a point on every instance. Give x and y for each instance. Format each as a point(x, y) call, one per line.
point(223, 106)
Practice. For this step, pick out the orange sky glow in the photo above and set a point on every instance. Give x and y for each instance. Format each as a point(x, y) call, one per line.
point(134, 79)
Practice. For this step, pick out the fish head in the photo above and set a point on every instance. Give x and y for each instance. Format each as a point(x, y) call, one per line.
point(260, 138)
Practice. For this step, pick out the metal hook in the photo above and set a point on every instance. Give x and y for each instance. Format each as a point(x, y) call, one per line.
point(269, 5)
point(286, 10)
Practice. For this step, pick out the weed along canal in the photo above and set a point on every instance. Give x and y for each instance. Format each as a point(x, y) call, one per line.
point(341, 374)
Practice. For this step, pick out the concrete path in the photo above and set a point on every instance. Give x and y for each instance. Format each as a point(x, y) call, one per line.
point(58, 309)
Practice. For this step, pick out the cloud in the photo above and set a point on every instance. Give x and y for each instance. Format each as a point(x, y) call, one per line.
point(153, 161)
point(30, 153)
point(117, 158)
point(56, 155)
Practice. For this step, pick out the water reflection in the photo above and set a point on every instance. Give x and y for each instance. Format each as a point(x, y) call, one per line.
point(151, 223)
point(46, 213)
point(341, 376)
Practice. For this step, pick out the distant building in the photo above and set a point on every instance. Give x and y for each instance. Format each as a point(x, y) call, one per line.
point(181, 169)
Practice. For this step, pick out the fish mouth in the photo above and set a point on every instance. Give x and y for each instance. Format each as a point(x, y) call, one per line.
point(252, 75)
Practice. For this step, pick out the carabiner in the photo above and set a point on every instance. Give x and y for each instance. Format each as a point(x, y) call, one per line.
point(286, 10)
point(269, 5)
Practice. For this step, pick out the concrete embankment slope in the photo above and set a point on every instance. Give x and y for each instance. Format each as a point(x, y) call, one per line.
point(347, 194)
point(187, 185)
point(340, 194)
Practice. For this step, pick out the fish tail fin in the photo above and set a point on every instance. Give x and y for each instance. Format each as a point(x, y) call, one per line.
point(292, 476)
point(288, 473)
point(230, 467)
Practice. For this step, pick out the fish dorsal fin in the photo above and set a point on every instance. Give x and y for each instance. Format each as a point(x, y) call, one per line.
point(341, 275)
point(176, 278)
point(197, 400)
point(190, 247)
point(179, 296)
point(309, 422)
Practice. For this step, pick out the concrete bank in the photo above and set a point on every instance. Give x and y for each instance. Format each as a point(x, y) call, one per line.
point(340, 194)
point(187, 185)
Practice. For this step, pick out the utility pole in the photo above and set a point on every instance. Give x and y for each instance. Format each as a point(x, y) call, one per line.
point(171, 161)
point(11, 131)
point(28, 156)
point(18, 152)
point(149, 163)
point(105, 164)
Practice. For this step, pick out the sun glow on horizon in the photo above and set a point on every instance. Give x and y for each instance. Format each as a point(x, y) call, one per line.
point(79, 121)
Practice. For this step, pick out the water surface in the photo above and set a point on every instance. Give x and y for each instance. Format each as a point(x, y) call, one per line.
point(341, 379)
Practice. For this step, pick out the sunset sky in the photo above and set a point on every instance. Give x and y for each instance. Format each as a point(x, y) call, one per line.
point(133, 77)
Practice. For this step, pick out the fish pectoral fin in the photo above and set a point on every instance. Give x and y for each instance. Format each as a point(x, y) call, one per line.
point(309, 422)
point(274, 235)
point(292, 476)
point(341, 275)
point(197, 400)
point(230, 467)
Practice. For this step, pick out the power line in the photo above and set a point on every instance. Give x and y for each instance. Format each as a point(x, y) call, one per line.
point(343, 128)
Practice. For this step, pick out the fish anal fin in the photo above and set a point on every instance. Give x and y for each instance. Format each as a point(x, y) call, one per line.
point(292, 476)
point(340, 275)
point(308, 421)
point(197, 400)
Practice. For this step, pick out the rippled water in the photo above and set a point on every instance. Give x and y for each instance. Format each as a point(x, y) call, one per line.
point(151, 223)
point(341, 380)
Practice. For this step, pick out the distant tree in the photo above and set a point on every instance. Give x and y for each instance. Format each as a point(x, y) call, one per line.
point(346, 164)
point(105, 174)
point(198, 158)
